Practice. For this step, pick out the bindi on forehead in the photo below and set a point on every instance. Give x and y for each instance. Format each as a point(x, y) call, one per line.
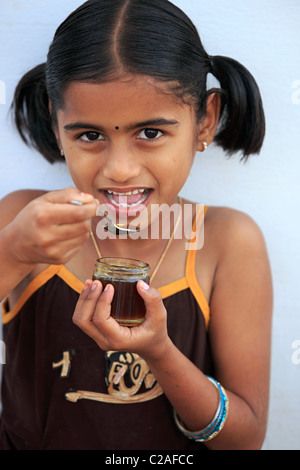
point(117, 128)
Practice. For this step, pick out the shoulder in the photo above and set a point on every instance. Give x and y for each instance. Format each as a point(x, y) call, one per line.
point(232, 229)
point(13, 203)
point(238, 250)
point(233, 242)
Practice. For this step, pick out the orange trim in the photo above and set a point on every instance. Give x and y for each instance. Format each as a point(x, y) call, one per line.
point(173, 287)
point(32, 287)
point(70, 279)
point(198, 294)
point(4, 307)
point(190, 270)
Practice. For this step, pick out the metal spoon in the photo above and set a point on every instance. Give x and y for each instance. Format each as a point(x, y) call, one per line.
point(111, 226)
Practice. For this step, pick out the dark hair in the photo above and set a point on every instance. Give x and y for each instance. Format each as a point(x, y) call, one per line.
point(104, 39)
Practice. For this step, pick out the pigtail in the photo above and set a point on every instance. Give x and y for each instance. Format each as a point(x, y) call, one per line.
point(242, 123)
point(31, 114)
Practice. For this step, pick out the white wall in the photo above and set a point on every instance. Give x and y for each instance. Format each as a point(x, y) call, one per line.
point(265, 36)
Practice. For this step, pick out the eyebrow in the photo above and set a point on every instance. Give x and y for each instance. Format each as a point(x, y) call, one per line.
point(151, 122)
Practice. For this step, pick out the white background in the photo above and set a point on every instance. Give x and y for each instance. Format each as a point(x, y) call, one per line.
point(264, 35)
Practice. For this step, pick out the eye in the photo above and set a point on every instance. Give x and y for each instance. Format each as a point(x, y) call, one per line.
point(91, 136)
point(150, 134)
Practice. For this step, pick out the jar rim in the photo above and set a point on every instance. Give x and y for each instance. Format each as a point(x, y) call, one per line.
point(124, 263)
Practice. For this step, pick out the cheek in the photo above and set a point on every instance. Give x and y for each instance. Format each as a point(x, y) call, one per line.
point(174, 173)
point(82, 172)
point(183, 155)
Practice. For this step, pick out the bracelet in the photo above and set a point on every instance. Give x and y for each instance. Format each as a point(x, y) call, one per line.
point(217, 423)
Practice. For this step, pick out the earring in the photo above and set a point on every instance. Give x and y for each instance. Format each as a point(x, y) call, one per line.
point(62, 152)
point(204, 146)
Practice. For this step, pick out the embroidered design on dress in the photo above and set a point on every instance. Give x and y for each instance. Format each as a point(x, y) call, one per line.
point(126, 375)
point(64, 363)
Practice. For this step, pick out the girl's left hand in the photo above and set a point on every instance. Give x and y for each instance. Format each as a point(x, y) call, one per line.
point(92, 315)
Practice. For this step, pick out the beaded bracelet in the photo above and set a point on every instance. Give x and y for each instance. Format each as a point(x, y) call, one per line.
point(217, 423)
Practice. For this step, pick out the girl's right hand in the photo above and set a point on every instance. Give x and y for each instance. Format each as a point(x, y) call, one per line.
point(93, 315)
point(49, 229)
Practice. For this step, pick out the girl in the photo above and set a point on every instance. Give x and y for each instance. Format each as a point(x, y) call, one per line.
point(123, 99)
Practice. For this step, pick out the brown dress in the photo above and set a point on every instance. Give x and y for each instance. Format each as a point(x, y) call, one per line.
point(57, 385)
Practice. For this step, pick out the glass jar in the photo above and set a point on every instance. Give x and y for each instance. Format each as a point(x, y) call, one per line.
point(128, 307)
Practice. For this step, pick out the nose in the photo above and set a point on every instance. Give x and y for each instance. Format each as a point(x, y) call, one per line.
point(121, 165)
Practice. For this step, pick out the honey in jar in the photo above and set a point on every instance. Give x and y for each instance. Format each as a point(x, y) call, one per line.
point(128, 307)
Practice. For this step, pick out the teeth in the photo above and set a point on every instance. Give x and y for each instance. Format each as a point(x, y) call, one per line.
point(128, 193)
point(123, 203)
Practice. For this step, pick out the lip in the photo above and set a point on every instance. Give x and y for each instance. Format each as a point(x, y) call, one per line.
point(126, 212)
point(123, 190)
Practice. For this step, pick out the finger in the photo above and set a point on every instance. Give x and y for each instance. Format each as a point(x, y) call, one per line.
point(66, 195)
point(72, 205)
point(103, 308)
point(86, 304)
point(93, 303)
point(63, 213)
point(153, 300)
point(83, 295)
point(107, 332)
point(72, 231)
point(69, 213)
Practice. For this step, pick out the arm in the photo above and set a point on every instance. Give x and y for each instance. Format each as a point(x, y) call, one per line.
point(241, 305)
point(240, 330)
point(11, 270)
point(38, 227)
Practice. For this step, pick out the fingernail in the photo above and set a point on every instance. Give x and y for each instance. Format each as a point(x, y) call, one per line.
point(144, 285)
point(86, 286)
point(86, 196)
point(94, 285)
point(76, 203)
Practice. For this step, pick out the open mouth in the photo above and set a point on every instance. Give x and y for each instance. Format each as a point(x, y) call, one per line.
point(129, 199)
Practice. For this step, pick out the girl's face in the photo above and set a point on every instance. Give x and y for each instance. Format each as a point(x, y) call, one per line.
point(128, 142)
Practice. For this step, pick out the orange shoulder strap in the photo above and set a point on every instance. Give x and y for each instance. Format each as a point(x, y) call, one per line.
point(196, 243)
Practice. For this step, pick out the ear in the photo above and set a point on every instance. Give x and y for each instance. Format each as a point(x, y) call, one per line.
point(208, 126)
